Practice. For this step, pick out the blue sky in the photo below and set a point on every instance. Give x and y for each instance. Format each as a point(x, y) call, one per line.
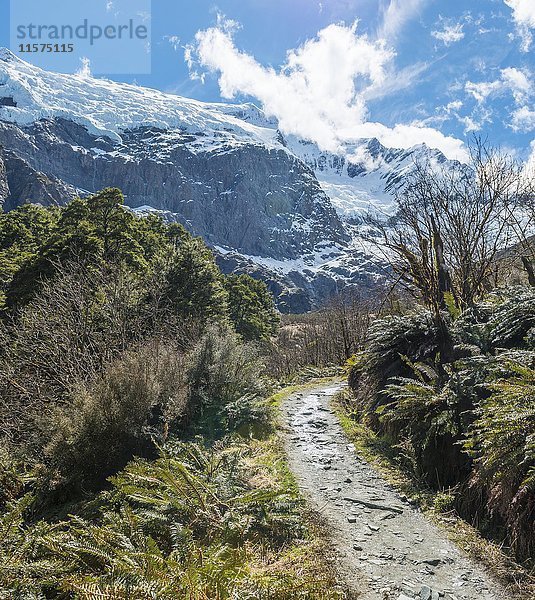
point(407, 71)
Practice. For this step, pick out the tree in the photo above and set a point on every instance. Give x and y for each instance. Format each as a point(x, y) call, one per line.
point(22, 232)
point(97, 232)
point(251, 307)
point(194, 283)
point(450, 225)
point(521, 217)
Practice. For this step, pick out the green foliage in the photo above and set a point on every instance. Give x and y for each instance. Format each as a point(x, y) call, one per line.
point(226, 390)
point(251, 307)
point(22, 232)
point(93, 232)
point(119, 414)
point(188, 525)
point(390, 342)
point(429, 415)
point(28, 568)
point(503, 437)
point(467, 421)
point(194, 283)
point(453, 310)
point(444, 502)
point(102, 343)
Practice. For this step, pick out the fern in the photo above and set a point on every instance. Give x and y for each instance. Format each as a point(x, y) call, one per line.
point(503, 437)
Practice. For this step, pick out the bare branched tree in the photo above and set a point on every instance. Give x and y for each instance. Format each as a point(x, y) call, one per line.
point(521, 218)
point(322, 338)
point(451, 222)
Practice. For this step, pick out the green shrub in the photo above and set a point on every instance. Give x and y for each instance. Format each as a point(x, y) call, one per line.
point(444, 502)
point(186, 525)
point(391, 341)
point(117, 415)
point(226, 385)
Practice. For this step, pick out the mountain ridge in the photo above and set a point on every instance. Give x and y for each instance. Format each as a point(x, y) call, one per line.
point(224, 170)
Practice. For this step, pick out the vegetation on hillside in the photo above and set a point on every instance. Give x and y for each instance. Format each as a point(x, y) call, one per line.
point(450, 384)
point(139, 458)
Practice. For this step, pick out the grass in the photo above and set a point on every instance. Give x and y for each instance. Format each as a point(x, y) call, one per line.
point(270, 549)
point(388, 460)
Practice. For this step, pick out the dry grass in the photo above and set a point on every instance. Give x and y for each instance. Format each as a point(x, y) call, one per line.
point(305, 570)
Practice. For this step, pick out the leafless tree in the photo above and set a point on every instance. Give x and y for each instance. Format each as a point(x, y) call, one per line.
point(521, 218)
point(452, 221)
point(321, 338)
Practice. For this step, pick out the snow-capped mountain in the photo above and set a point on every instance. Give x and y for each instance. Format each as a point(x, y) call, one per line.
point(271, 205)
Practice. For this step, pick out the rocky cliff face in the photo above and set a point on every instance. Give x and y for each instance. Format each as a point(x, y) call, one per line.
point(20, 182)
point(279, 209)
point(252, 199)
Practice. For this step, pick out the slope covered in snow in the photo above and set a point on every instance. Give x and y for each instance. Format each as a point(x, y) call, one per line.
point(366, 175)
point(108, 108)
point(224, 170)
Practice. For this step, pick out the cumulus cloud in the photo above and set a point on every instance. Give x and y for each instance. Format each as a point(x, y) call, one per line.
point(449, 34)
point(523, 119)
point(524, 17)
point(512, 80)
point(321, 91)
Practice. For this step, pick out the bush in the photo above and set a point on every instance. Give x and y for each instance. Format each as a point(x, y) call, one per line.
point(392, 344)
point(226, 385)
point(502, 442)
point(188, 524)
point(120, 414)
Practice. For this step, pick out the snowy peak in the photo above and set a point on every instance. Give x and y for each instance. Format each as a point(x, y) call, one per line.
point(365, 175)
point(7, 56)
point(109, 108)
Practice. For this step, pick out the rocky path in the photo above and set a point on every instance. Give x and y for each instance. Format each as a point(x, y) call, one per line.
point(387, 549)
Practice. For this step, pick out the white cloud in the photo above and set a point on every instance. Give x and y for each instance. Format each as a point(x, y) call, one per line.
point(396, 81)
point(512, 80)
point(454, 105)
point(450, 34)
point(523, 119)
point(320, 93)
point(518, 82)
point(396, 15)
point(174, 40)
point(524, 17)
point(470, 124)
point(481, 91)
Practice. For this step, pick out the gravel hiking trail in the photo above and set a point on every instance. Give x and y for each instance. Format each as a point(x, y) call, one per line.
point(386, 549)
